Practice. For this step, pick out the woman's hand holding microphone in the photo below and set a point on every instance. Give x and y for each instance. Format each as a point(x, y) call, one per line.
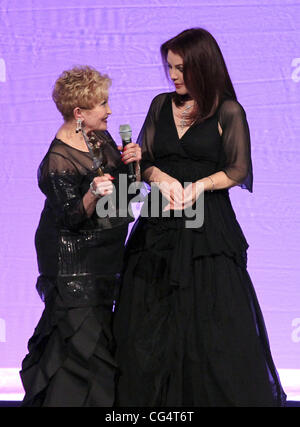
point(131, 153)
point(103, 185)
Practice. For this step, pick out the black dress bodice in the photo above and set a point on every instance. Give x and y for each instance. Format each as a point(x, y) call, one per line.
point(193, 156)
point(67, 240)
point(200, 152)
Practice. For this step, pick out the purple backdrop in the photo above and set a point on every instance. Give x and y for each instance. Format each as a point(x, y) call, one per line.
point(260, 40)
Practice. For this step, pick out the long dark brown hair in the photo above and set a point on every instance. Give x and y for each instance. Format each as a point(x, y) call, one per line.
point(204, 71)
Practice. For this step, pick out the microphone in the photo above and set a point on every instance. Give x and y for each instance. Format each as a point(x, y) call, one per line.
point(125, 133)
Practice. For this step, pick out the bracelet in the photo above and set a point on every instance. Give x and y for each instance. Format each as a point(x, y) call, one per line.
point(213, 185)
point(93, 191)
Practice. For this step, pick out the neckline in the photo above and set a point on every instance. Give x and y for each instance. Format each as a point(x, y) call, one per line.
point(174, 123)
point(70, 146)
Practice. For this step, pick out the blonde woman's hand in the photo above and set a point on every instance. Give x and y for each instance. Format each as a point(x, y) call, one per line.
point(131, 153)
point(102, 185)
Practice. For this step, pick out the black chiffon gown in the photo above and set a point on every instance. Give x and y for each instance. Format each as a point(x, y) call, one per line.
point(69, 360)
point(188, 327)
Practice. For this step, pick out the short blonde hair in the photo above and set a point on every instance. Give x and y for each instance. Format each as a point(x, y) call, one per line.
point(82, 86)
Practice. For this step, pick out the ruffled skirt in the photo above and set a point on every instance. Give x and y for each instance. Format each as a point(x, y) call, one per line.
point(70, 363)
point(188, 326)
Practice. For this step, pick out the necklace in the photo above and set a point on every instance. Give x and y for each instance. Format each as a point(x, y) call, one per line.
point(184, 114)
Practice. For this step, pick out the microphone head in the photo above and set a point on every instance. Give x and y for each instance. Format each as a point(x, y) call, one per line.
point(125, 132)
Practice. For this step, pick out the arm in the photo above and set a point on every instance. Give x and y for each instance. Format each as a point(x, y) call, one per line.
point(60, 181)
point(169, 186)
point(89, 203)
point(100, 186)
point(217, 181)
point(237, 169)
point(154, 174)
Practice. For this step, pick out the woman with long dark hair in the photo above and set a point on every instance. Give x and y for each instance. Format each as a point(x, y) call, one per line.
point(188, 325)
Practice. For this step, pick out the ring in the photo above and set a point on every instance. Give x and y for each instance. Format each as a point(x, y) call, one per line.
point(94, 192)
point(133, 155)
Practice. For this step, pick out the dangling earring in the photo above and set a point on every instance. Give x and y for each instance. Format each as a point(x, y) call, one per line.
point(78, 125)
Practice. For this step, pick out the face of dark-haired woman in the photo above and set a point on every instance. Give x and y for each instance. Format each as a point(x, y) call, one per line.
point(175, 65)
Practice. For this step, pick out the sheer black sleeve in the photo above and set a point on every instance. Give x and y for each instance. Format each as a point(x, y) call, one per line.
point(236, 144)
point(147, 133)
point(60, 180)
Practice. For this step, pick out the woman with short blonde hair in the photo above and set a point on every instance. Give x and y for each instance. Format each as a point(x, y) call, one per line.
point(80, 86)
point(79, 254)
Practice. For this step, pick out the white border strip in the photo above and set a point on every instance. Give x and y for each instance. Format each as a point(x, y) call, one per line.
point(11, 397)
point(290, 380)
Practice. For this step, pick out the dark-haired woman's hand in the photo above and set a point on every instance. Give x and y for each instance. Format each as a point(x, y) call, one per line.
point(192, 193)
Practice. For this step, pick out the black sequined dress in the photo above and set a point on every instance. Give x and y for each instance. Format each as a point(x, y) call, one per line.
point(188, 326)
point(69, 360)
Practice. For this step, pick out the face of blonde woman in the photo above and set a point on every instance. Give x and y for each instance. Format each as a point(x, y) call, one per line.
point(96, 118)
point(175, 65)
